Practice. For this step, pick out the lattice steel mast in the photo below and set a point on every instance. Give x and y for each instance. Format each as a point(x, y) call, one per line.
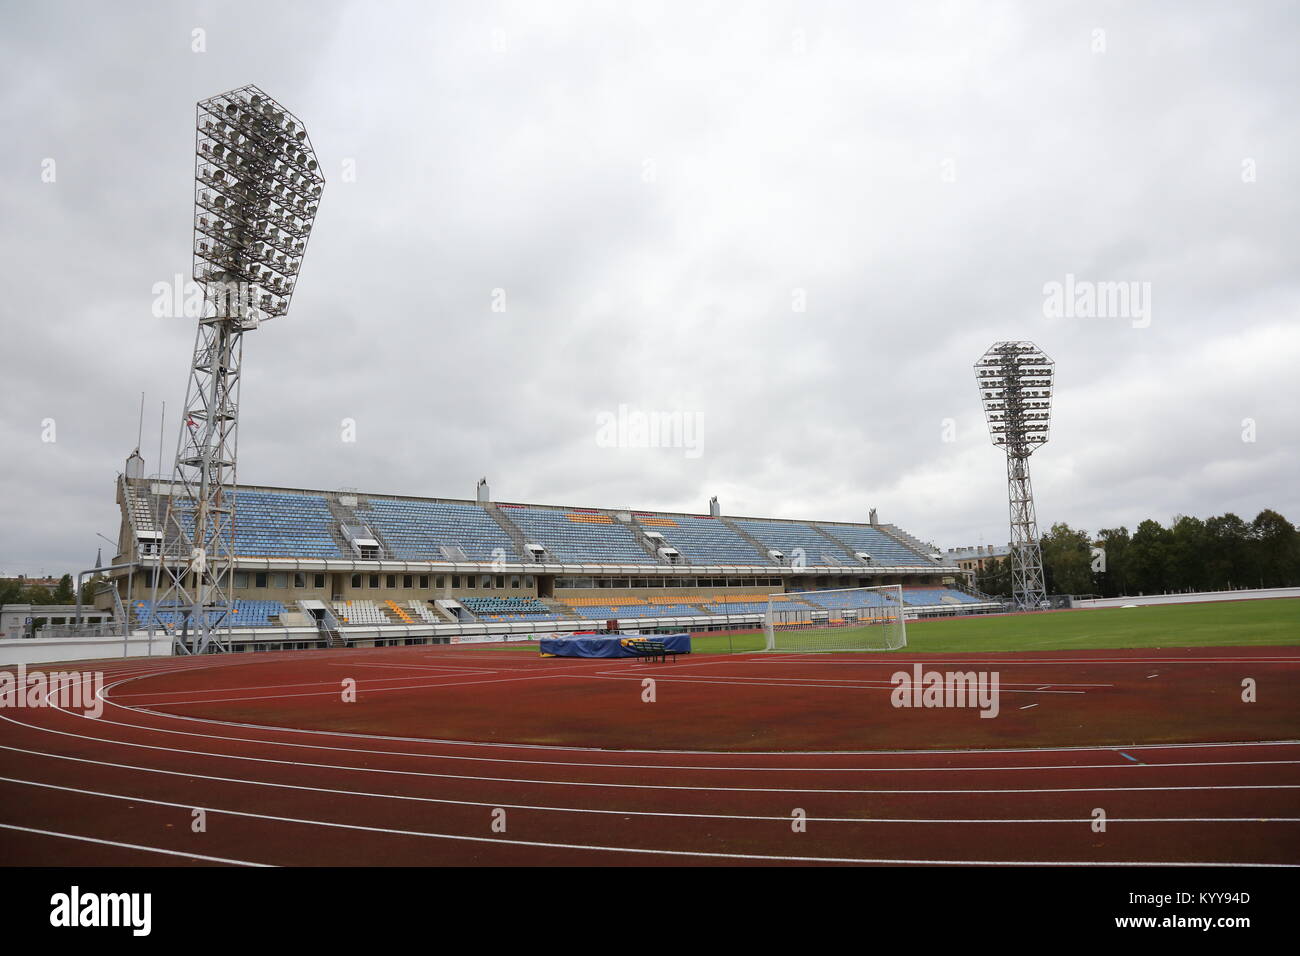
point(1015, 381)
point(257, 188)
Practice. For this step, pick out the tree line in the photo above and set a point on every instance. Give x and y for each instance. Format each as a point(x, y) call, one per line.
point(1215, 554)
point(23, 591)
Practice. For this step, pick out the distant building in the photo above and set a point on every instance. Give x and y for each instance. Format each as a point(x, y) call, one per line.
point(976, 558)
point(27, 582)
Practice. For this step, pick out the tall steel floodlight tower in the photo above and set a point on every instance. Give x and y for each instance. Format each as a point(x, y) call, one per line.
point(257, 187)
point(1015, 383)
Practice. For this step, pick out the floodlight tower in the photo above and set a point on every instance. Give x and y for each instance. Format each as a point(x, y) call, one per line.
point(257, 186)
point(1015, 382)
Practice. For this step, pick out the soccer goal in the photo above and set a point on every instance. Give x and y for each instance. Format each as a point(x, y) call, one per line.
point(852, 619)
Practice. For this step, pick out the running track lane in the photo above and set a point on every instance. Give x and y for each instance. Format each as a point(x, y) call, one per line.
point(122, 789)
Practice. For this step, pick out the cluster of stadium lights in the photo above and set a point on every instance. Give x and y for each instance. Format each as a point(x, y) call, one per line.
point(1015, 382)
point(257, 187)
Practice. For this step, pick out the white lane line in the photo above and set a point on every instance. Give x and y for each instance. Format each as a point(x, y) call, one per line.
point(797, 682)
point(1100, 748)
point(622, 766)
point(784, 818)
point(369, 690)
point(813, 681)
point(608, 785)
point(640, 850)
point(460, 743)
point(129, 846)
point(457, 670)
point(333, 684)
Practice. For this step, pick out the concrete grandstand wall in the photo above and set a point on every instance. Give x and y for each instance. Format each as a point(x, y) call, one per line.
point(48, 650)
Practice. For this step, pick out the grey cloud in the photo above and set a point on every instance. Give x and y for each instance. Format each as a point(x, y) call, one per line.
point(478, 168)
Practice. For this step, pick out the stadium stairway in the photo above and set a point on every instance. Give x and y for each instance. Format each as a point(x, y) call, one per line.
point(425, 612)
point(397, 613)
point(343, 515)
point(638, 532)
point(512, 531)
point(850, 557)
point(753, 542)
point(139, 509)
point(559, 607)
point(903, 538)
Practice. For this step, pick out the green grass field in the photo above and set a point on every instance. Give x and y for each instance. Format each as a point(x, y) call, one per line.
point(1221, 624)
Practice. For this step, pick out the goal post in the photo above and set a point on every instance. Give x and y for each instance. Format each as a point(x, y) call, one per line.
point(851, 619)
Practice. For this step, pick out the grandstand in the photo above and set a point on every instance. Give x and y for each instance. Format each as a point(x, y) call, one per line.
point(320, 568)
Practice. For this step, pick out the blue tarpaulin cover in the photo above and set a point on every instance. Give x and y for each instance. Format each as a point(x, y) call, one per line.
point(610, 645)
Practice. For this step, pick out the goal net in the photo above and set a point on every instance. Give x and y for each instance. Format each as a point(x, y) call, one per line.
point(853, 619)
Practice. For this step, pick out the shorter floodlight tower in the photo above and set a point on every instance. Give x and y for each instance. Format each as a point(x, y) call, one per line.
point(1015, 382)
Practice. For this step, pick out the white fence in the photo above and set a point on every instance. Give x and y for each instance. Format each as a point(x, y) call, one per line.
point(1143, 600)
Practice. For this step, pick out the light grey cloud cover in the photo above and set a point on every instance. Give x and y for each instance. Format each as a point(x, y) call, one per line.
point(649, 186)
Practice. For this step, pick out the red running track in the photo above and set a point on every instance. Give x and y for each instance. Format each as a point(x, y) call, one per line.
point(464, 755)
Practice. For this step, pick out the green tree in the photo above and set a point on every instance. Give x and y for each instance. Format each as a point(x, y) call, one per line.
point(1274, 544)
point(37, 594)
point(1189, 546)
point(1227, 552)
point(63, 594)
point(11, 592)
point(1113, 577)
point(1067, 560)
point(995, 577)
point(1148, 555)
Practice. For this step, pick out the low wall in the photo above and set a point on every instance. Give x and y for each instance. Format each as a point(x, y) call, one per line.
point(47, 650)
point(1143, 600)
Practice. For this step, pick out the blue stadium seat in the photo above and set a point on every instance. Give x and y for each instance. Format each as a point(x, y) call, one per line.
point(577, 536)
point(794, 539)
point(418, 530)
point(702, 540)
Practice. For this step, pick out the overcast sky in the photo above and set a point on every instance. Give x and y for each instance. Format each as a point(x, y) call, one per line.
point(658, 191)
